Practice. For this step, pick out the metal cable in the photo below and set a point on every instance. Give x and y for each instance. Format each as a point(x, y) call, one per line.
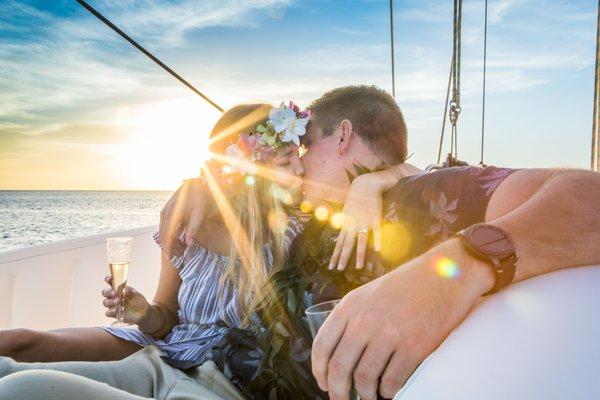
point(392, 48)
point(146, 52)
point(439, 156)
point(595, 158)
point(484, 74)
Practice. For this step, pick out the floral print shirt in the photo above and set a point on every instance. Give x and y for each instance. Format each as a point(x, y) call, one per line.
point(434, 206)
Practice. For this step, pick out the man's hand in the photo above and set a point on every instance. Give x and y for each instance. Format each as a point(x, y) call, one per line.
point(185, 209)
point(387, 327)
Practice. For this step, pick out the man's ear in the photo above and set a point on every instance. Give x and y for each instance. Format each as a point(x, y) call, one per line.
point(345, 134)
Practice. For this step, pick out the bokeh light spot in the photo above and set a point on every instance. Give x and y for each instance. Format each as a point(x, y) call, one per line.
point(337, 220)
point(447, 268)
point(396, 242)
point(321, 213)
point(250, 180)
point(306, 207)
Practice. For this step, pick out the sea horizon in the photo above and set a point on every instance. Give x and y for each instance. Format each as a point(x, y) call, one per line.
point(31, 217)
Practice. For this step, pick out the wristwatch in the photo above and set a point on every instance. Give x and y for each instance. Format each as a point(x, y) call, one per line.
point(494, 246)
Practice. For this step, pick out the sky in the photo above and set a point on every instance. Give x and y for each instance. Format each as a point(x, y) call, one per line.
point(82, 109)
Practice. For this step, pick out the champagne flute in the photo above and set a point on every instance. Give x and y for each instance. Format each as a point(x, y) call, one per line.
point(316, 316)
point(118, 250)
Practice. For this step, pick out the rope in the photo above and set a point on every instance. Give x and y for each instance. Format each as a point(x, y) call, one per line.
point(453, 108)
point(484, 73)
point(595, 159)
point(455, 103)
point(146, 52)
point(439, 156)
point(392, 48)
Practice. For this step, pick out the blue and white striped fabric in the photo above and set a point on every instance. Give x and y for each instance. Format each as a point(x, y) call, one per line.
point(202, 317)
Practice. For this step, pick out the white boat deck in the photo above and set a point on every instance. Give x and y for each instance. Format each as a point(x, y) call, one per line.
point(537, 339)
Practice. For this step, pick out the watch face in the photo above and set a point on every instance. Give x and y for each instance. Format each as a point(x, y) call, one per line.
point(490, 240)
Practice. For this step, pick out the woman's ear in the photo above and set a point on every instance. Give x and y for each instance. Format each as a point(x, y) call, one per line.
point(345, 133)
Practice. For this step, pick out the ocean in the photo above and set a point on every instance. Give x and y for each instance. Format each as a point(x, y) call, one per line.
point(35, 217)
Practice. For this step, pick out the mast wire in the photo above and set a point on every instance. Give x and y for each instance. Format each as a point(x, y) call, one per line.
point(392, 48)
point(484, 76)
point(147, 53)
point(595, 158)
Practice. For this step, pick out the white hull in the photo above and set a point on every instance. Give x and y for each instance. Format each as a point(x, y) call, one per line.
point(58, 284)
point(537, 339)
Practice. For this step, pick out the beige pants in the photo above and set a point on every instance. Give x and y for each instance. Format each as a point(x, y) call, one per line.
point(141, 375)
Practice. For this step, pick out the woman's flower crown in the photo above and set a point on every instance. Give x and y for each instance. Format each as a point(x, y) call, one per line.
point(286, 124)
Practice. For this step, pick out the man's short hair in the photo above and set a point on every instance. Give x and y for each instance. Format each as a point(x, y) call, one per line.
point(374, 114)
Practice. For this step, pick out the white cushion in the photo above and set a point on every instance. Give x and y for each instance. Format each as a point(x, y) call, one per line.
point(537, 339)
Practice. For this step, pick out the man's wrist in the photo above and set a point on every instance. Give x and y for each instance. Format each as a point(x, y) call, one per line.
point(475, 274)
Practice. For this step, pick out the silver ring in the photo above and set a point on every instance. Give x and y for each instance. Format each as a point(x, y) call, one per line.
point(362, 231)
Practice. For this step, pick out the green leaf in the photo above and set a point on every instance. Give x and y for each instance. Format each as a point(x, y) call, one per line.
point(261, 128)
point(350, 176)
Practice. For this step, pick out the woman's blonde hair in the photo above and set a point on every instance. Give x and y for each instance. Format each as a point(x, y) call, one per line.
point(255, 218)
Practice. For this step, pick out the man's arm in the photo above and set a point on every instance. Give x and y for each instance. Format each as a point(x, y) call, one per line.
point(553, 217)
point(383, 330)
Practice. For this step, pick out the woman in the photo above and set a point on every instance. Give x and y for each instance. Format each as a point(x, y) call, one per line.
point(201, 295)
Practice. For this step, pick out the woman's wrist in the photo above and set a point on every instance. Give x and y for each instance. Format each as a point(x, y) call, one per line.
point(381, 181)
point(146, 322)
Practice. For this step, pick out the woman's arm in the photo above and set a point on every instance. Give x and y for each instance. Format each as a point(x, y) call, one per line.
point(161, 315)
point(156, 319)
point(363, 212)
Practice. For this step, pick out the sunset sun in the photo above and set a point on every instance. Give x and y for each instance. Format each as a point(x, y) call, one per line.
point(167, 142)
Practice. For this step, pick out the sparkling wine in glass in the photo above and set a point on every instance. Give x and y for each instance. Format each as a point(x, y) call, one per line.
point(118, 250)
point(316, 316)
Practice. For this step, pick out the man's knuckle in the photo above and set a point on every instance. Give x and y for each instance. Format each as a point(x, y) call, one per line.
point(337, 368)
point(363, 378)
point(389, 386)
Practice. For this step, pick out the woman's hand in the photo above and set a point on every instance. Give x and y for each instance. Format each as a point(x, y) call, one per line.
point(135, 307)
point(362, 213)
point(186, 209)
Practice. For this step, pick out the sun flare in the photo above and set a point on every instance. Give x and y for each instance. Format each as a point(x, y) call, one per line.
point(167, 142)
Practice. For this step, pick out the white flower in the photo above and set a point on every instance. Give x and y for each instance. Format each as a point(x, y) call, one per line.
point(234, 152)
point(235, 157)
point(282, 117)
point(238, 161)
point(294, 131)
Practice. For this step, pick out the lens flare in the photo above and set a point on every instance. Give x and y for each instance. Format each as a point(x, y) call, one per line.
point(337, 220)
point(321, 213)
point(396, 242)
point(447, 268)
point(250, 180)
point(306, 206)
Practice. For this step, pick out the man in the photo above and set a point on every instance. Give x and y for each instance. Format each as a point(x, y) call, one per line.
point(545, 219)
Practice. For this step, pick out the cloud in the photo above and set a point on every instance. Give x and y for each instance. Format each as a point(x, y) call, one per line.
point(351, 32)
point(497, 10)
point(151, 19)
point(66, 63)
